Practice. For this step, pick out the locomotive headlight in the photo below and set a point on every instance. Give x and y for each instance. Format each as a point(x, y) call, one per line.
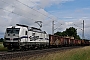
point(8, 34)
point(13, 34)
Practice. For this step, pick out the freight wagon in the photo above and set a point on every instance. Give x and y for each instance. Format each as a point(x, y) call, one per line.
point(60, 40)
point(56, 41)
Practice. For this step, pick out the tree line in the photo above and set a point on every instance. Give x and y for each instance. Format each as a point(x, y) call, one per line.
point(1, 39)
point(69, 32)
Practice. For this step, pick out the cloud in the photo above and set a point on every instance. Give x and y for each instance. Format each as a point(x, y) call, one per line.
point(16, 12)
point(68, 17)
point(47, 3)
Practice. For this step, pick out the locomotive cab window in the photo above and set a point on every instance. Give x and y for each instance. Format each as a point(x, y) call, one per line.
point(25, 32)
point(13, 30)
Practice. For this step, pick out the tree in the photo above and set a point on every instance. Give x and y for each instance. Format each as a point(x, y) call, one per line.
point(69, 32)
point(64, 33)
point(78, 37)
point(1, 40)
point(58, 33)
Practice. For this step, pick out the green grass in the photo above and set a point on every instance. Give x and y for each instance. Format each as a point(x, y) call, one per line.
point(73, 54)
point(2, 47)
point(83, 54)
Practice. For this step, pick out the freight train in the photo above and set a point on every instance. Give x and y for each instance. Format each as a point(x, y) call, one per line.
point(24, 37)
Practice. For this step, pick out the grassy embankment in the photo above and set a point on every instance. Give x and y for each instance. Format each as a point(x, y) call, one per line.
point(73, 54)
point(2, 47)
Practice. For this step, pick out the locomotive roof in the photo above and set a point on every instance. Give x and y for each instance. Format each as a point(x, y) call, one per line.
point(16, 27)
point(22, 25)
point(34, 28)
point(30, 29)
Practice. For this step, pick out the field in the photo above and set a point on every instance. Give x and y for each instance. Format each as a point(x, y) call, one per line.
point(73, 54)
point(2, 47)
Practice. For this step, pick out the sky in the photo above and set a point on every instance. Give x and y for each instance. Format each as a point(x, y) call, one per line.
point(64, 13)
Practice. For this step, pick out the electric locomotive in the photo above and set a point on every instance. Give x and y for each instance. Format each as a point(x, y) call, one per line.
point(25, 37)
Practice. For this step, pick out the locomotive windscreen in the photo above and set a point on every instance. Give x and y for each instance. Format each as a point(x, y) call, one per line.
point(13, 30)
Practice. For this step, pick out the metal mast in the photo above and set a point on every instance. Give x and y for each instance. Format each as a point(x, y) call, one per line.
point(52, 27)
point(83, 31)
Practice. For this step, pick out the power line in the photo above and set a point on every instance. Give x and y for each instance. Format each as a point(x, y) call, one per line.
point(42, 8)
point(19, 8)
point(34, 9)
point(28, 7)
point(16, 7)
point(14, 13)
point(78, 27)
point(82, 30)
point(50, 14)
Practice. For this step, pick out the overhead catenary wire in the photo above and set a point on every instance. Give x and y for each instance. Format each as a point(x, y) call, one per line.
point(29, 7)
point(24, 12)
point(34, 9)
point(78, 27)
point(42, 8)
point(49, 13)
point(16, 7)
point(15, 13)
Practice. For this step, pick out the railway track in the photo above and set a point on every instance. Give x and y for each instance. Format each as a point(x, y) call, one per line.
point(18, 54)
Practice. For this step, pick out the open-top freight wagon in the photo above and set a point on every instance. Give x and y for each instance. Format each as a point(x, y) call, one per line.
point(66, 41)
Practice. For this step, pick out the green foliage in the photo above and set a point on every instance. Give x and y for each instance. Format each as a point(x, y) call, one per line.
point(82, 53)
point(2, 48)
point(58, 33)
point(78, 37)
point(1, 40)
point(69, 32)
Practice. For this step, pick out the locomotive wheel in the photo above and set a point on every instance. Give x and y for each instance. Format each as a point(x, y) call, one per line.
point(10, 49)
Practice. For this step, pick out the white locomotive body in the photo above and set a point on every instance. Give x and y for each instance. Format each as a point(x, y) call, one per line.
point(23, 37)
